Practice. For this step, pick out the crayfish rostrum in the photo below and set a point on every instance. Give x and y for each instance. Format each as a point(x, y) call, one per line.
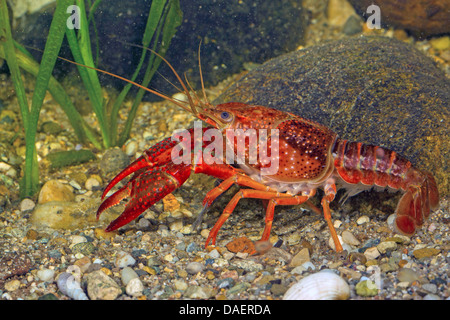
point(275, 156)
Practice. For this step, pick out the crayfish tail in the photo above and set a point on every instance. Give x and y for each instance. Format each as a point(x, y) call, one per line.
point(416, 204)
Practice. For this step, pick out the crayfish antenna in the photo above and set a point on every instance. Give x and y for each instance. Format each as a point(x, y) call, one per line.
point(193, 110)
point(201, 74)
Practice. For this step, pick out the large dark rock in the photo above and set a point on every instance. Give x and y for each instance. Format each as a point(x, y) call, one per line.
point(370, 89)
point(232, 32)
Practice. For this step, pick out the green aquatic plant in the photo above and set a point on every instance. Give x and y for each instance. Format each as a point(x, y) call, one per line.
point(163, 19)
point(30, 113)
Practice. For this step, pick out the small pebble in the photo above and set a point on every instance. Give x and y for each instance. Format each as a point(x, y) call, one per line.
point(407, 275)
point(352, 26)
point(372, 253)
point(92, 184)
point(214, 254)
point(123, 260)
point(127, 274)
point(102, 287)
point(248, 265)
point(27, 205)
point(179, 284)
point(194, 267)
point(134, 287)
point(430, 287)
point(199, 292)
point(441, 43)
point(53, 190)
point(362, 220)
point(113, 161)
point(300, 258)
point(77, 239)
point(12, 285)
point(432, 227)
point(385, 246)
point(45, 274)
point(350, 239)
point(366, 288)
point(131, 148)
point(177, 225)
point(337, 223)
point(238, 288)
point(425, 253)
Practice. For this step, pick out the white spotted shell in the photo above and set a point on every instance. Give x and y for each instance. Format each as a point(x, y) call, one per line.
point(323, 285)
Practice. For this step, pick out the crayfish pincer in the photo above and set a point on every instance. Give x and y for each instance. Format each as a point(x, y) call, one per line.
point(275, 156)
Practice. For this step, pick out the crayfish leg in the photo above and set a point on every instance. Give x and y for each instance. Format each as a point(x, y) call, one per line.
point(330, 193)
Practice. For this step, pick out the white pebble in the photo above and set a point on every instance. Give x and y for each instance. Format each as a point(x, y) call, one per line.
point(372, 253)
point(180, 284)
point(123, 260)
point(390, 220)
point(337, 223)
point(214, 254)
point(176, 225)
point(91, 184)
point(350, 239)
point(194, 267)
point(78, 239)
point(46, 274)
point(26, 205)
point(131, 148)
point(135, 287)
point(128, 274)
point(363, 219)
point(74, 184)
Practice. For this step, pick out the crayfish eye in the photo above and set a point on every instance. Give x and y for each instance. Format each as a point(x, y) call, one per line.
point(226, 116)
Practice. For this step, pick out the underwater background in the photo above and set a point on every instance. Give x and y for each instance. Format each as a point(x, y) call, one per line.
point(372, 71)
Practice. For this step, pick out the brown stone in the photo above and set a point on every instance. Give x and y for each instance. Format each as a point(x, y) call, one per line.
point(54, 190)
point(425, 252)
point(242, 244)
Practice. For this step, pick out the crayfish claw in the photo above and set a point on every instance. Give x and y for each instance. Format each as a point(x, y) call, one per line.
point(114, 199)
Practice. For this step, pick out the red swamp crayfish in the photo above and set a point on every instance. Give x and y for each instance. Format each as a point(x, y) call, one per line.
point(308, 156)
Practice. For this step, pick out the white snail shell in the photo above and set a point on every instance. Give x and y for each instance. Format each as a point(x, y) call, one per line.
point(323, 285)
point(69, 286)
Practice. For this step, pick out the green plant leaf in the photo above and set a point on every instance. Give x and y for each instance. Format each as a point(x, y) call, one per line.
point(169, 20)
point(81, 50)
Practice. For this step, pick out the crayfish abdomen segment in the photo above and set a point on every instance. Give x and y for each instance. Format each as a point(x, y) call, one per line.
point(358, 163)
